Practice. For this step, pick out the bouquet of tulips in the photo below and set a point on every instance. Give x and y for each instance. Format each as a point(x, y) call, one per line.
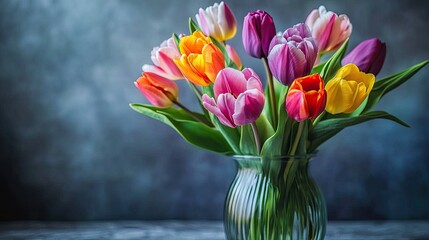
point(305, 100)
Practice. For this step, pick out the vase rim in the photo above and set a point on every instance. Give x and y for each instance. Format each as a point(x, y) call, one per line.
point(306, 157)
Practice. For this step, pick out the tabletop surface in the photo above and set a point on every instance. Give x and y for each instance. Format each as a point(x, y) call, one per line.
point(201, 230)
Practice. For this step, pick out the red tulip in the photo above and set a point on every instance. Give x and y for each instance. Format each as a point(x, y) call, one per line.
point(306, 98)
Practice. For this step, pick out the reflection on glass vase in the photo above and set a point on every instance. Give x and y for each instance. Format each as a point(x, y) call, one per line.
point(274, 198)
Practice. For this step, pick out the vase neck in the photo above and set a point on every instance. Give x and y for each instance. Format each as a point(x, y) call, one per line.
point(268, 164)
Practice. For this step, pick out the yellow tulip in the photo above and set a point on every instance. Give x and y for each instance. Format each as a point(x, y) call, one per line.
point(348, 89)
point(201, 60)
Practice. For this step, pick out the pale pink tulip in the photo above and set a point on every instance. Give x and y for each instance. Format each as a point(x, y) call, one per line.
point(217, 21)
point(162, 58)
point(329, 29)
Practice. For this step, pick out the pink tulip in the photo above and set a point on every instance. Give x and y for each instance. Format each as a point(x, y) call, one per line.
point(292, 54)
point(239, 97)
point(162, 58)
point(217, 21)
point(158, 90)
point(329, 29)
point(233, 55)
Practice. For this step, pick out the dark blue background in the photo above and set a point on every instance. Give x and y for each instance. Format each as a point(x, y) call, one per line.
point(72, 149)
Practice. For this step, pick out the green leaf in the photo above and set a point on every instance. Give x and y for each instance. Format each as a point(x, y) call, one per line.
point(193, 26)
point(192, 131)
point(177, 41)
point(247, 141)
point(279, 91)
point(383, 86)
point(334, 63)
point(198, 96)
point(318, 68)
point(326, 129)
point(278, 144)
point(265, 130)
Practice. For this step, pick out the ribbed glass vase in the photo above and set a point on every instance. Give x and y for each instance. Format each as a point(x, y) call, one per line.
point(274, 198)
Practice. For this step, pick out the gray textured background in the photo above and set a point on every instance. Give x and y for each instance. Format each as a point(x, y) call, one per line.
point(72, 149)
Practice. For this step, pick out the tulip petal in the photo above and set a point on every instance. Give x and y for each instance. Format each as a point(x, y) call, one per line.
point(233, 55)
point(339, 97)
point(296, 105)
point(325, 35)
point(154, 69)
point(157, 89)
point(226, 103)
point(210, 104)
point(358, 97)
point(155, 96)
point(248, 107)
point(230, 80)
point(214, 61)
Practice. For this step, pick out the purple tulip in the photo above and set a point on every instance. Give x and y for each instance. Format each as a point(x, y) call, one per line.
point(258, 30)
point(292, 54)
point(368, 56)
point(239, 97)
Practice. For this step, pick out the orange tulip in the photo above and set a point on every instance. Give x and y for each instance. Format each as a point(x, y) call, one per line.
point(159, 91)
point(201, 60)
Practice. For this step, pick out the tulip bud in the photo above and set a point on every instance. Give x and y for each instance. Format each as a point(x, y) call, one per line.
point(233, 55)
point(368, 56)
point(162, 58)
point(306, 98)
point(201, 60)
point(292, 54)
point(348, 89)
point(159, 91)
point(329, 29)
point(239, 97)
point(217, 21)
point(258, 30)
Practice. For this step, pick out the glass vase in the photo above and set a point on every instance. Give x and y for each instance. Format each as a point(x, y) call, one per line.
point(274, 198)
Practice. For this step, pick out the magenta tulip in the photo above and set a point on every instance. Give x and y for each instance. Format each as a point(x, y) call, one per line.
point(162, 58)
point(368, 56)
point(258, 30)
point(292, 54)
point(239, 97)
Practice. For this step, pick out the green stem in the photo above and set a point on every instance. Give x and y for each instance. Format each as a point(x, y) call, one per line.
point(199, 95)
point(288, 173)
point(196, 90)
point(317, 120)
point(271, 93)
point(297, 138)
point(209, 124)
point(256, 136)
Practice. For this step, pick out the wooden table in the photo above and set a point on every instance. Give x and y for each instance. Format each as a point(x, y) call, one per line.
point(201, 230)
